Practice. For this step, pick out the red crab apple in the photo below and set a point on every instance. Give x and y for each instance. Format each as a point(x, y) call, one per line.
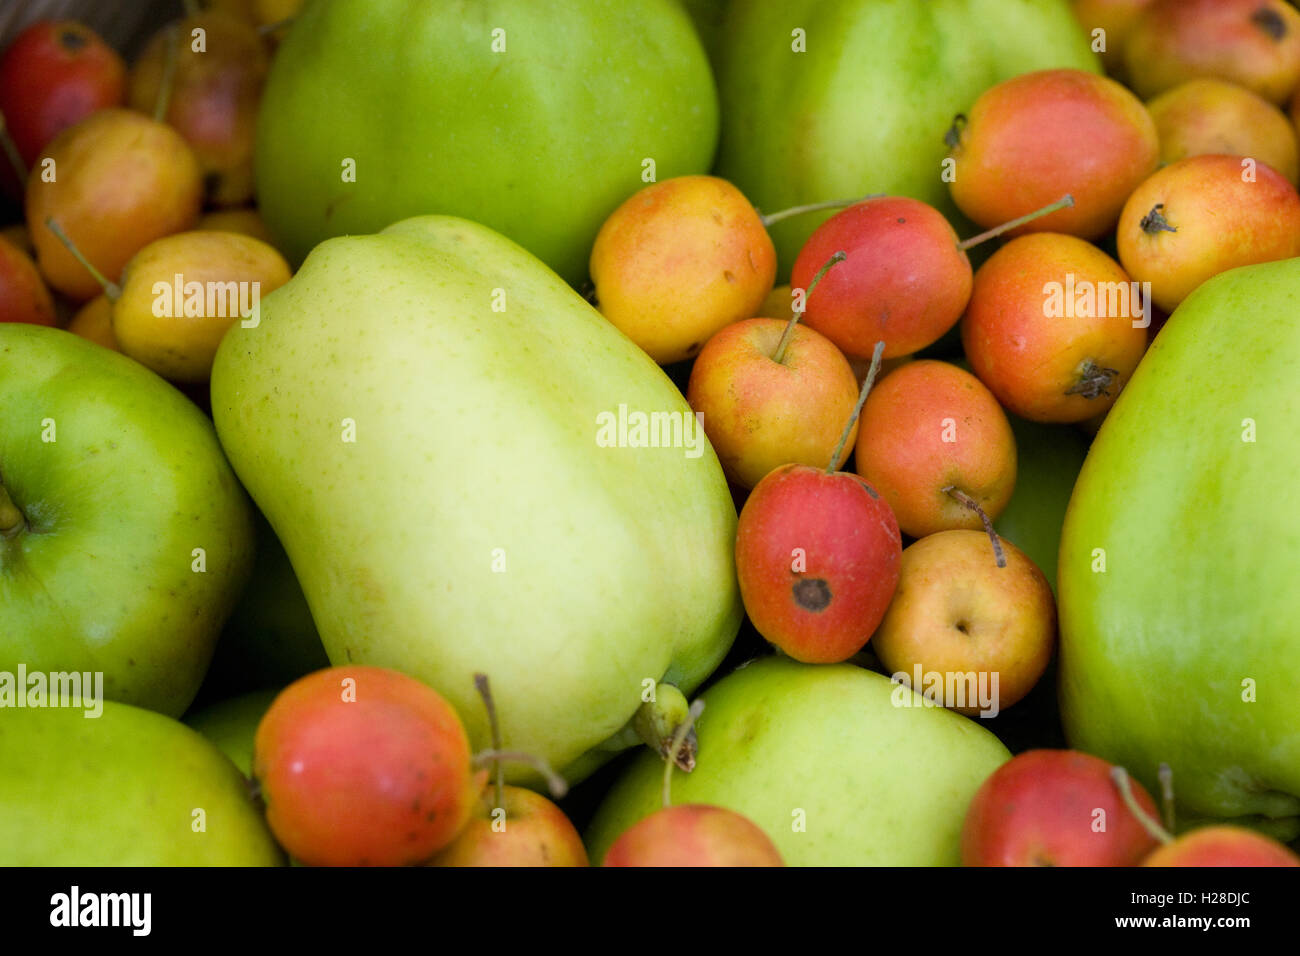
point(817, 554)
point(1054, 808)
point(1223, 845)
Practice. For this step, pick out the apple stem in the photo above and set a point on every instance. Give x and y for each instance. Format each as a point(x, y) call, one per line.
point(1063, 202)
point(779, 355)
point(554, 782)
point(775, 217)
point(998, 555)
point(670, 762)
point(170, 54)
point(872, 372)
point(111, 289)
point(1120, 776)
point(952, 138)
point(485, 691)
point(11, 151)
point(1165, 774)
point(12, 520)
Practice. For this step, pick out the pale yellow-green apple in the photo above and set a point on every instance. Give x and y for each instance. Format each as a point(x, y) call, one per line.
point(957, 612)
point(835, 763)
point(1177, 595)
point(126, 788)
point(125, 538)
point(472, 471)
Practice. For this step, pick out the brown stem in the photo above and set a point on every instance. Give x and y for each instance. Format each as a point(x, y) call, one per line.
point(1062, 203)
point(781, 214)
point(485, 691)
point(872, 372)
point(998, 555)
point(1120, 776)
point(1094, 380)
point(171, 52)
point(683, 729)
point(1165, 774)
point(779, 355)
point(11, 151)
point(111, 289)
point(554, 782)
point(952, 138)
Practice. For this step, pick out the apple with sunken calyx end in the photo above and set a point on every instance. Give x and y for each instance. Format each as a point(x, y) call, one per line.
point(835, 763)
point(935, 443)
point(1204, 215)
point(817, 555)
point(1209, 115)
point(1254, 43)
point(556, 112)
point(231, 724)
point(416, 548)
point(771, 392)
point(124, 788)
point(870, 114)
point(1042, 134)
point(1055, 808)
point(1048, 459)
point(957, 611)
point(213, 95)
point(23, 295)
point(122, 181)
point(1115, 20)
point(125, 537)
point(678, 261)
point(1054, 327)
point(691, 834)
point(511, 826)
point(363, 766)
point(1177, 597)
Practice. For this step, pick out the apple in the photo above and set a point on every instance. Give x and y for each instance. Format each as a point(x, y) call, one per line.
point(519, 828)
point(1204, 215)
point(125, 538)
point(23, 295)
point(1055, 808)
point(1115, 19)
point(1254, 43)
point(1222, 845)
point(693, 835)
point(1038, 136)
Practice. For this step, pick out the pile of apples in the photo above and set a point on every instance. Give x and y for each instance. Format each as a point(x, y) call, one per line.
point(865, 416)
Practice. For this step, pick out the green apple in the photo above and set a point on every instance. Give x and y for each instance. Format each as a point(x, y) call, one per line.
point(433, 423)
point(1048, 459)
point(125, 537)
point(270, 639)
point(826, 99)
point(1178, 600)
point(837, 764)
point(536, 119)
point(127, 788)
point(231, 724)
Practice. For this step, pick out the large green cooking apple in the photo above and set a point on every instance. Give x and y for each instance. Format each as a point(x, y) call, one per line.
point(125, 537)
point(444, 436)
point(1179, 604)
point(837, 764)
point(127, 788)
point(865, 106)
point(534, 117)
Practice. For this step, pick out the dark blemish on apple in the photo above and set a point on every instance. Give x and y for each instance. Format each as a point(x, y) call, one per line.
point(812, 594)
point(1270, 22)
point(71, 40)
point(431, 816)
point(901, 219)
point(963, 626)
point(728, 275)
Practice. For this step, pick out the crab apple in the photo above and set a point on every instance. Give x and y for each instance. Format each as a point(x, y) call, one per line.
point(935, 443)
point(1037, 136)
point(1055, 808)
point(1223, 845)
point(693, 834)
point(1054, 328)
point(905, 282)
point(1204, 215)
point(364, 766)
point(522, 828)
